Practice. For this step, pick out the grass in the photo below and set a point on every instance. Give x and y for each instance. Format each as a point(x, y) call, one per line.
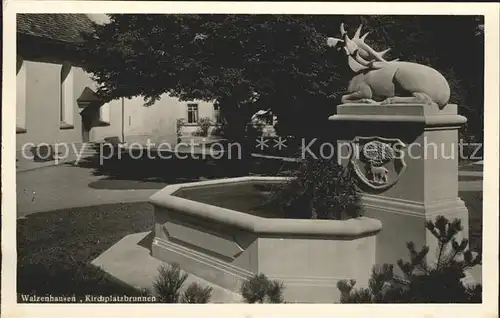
point(55, 249)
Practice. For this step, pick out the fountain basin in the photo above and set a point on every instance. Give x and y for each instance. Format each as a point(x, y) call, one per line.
point(211, 229)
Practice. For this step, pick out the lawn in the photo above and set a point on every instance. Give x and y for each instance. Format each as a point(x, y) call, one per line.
point(55, 248)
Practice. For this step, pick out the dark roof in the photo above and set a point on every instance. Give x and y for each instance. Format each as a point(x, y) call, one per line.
point(88, 95)
point(60, 27)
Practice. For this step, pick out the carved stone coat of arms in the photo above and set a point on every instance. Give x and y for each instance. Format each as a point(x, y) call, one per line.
point(378, 162)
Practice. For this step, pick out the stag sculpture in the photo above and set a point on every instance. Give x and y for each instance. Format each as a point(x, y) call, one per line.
point(388, 82)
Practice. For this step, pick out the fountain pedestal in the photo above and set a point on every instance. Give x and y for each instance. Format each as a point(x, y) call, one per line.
point(415, 181)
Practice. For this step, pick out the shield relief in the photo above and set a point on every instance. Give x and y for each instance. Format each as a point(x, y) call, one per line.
point(378, 162)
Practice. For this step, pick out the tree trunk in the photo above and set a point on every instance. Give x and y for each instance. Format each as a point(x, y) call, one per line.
point(236, 118)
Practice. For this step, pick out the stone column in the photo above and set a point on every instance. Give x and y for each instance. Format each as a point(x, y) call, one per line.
point(415, 181)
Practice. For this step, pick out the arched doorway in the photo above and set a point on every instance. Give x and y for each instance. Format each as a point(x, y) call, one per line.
point(89, 103)
point(86, 125)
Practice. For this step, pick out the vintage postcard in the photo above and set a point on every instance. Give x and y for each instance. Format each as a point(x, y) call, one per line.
point(204, 158)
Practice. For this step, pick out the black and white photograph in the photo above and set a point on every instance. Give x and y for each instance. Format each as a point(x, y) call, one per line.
point(250, 158)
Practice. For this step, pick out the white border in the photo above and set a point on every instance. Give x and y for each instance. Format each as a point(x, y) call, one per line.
point(490, 220)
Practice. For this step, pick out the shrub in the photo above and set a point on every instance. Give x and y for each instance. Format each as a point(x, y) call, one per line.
point(205, 123)
point(259, 289)
point(169, 282)
point(197, 294)
point(180, 123)
point(422, 283)
point(219, 130)
point(318, 189)
point(43, 152)
point(255, 128)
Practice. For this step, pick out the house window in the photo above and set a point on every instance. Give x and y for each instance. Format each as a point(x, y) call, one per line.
point(192, 113)
point(217, 116)
point(66, 97)
point(21, 96)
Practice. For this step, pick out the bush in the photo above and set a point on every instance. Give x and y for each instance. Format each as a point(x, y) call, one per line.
point(205, 123)
point(255, 128)
point(259, 289)
point(169, 283)
point(197, 294)
point(181, 122)
point(318, 189)
point(219, 131)
point(253, 131)
point(422, 283)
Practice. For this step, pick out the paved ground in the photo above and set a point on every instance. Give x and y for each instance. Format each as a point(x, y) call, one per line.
point(66, 186)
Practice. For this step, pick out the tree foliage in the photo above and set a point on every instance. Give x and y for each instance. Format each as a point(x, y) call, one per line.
point(246, 62)
point(251, 62)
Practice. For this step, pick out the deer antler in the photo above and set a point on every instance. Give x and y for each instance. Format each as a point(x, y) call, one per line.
point(358, 32)
point(342, 31)
point(360, 42)
point(333, 42)
point(358, 49)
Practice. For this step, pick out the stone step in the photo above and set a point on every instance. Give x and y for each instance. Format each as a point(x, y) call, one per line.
point(130, 261)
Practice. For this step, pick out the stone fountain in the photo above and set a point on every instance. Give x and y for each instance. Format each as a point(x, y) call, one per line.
point(397, 131)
